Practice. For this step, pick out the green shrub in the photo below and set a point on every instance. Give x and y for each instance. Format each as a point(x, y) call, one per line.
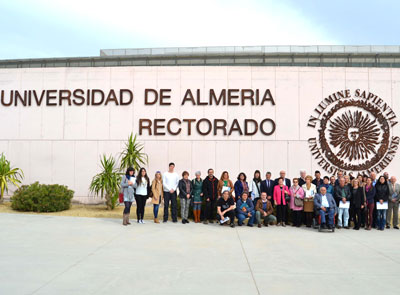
point(42, 198)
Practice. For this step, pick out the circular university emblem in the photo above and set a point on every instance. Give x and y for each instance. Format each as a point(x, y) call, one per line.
point(354, 133)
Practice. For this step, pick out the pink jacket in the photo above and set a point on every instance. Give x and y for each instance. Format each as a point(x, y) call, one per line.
point(300, 192)
point(278, 192)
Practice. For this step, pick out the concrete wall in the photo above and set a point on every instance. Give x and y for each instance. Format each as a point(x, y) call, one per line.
point(63, 144)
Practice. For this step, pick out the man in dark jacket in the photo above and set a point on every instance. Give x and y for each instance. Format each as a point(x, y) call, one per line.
point(342, 198)
point(210, 194)
point(267, 186)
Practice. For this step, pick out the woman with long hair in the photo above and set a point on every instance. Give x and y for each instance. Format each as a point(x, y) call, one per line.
point(370, 196)
point(357, 202)
point(255, 187)
point(142, 193)
point(128, 185)
point(381, 198)
point(157, 194)
point(224, 184)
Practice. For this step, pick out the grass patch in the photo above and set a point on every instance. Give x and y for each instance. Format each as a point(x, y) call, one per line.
point(81, 210)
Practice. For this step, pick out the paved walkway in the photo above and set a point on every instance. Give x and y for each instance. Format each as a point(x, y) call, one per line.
point(70, 255)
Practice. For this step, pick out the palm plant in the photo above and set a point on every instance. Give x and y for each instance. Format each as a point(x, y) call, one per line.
point(8, 175)
point(133, 155)
point(106, 184)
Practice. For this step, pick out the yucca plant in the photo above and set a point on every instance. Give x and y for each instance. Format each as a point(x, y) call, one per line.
point(8, 175)
point(133, 155)
point(106, 184)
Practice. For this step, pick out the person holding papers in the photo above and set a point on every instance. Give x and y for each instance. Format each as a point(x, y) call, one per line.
point(325, 204)
point(381, 199)
point(343, 196)
point(393, 203)
point(226, 209)
point(245, 209)
point(224, 184)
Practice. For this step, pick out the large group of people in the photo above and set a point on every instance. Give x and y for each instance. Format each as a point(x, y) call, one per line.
point(364, 201)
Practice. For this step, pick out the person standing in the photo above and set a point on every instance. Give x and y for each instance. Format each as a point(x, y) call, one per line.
point(185, 193)
point(197, 195)
point(142, 193)
point(157, 194)
point(281, 195)
point(310, 190)
point(370, 196)
point(317, 180)
point(342, 197)
point(170, 184)
point(381, 199)
point(358, 202)
point(302, 179)
point(393, 204)
point(245, 209)
point(255, 187)
point(296, 202)
point(327, 185)
point(264, 211)
point(267, 186)
point(241, 185)
point(128, 185)
point(225, 183)
point(210, 193)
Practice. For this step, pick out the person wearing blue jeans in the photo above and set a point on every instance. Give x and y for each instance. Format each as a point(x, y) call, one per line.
point(245, 209)
point(325, 204)
point(381, 215)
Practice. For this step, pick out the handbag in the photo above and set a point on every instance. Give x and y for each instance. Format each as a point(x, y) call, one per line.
point(298, 202)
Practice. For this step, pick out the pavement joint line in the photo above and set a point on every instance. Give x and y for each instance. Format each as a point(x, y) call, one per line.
point(248, 263)
point(369, 247)
point(75, 264)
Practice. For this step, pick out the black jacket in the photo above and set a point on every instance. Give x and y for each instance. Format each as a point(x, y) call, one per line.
point(182, 188)
point(357, 197)
point(268, 189)
point(382, 192)
point(210, 188)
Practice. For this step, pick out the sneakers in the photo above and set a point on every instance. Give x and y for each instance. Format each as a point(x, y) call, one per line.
point(141, 221)
point(224, 220)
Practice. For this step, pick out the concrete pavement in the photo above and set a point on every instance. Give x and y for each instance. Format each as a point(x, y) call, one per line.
point(71, 255)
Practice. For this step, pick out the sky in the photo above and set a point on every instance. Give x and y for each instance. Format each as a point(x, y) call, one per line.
point(54, 28)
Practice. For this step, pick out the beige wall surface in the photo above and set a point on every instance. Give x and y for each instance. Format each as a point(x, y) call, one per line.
point(62, 144)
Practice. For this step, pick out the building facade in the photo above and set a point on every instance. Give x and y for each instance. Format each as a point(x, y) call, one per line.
point(238, 109)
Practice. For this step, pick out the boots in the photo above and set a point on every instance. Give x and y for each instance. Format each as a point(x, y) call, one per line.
point(196, 216)
point(124, 219)
point(156, 220)
point(127, 219)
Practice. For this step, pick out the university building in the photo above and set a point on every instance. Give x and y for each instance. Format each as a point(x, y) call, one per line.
point(271, 108)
